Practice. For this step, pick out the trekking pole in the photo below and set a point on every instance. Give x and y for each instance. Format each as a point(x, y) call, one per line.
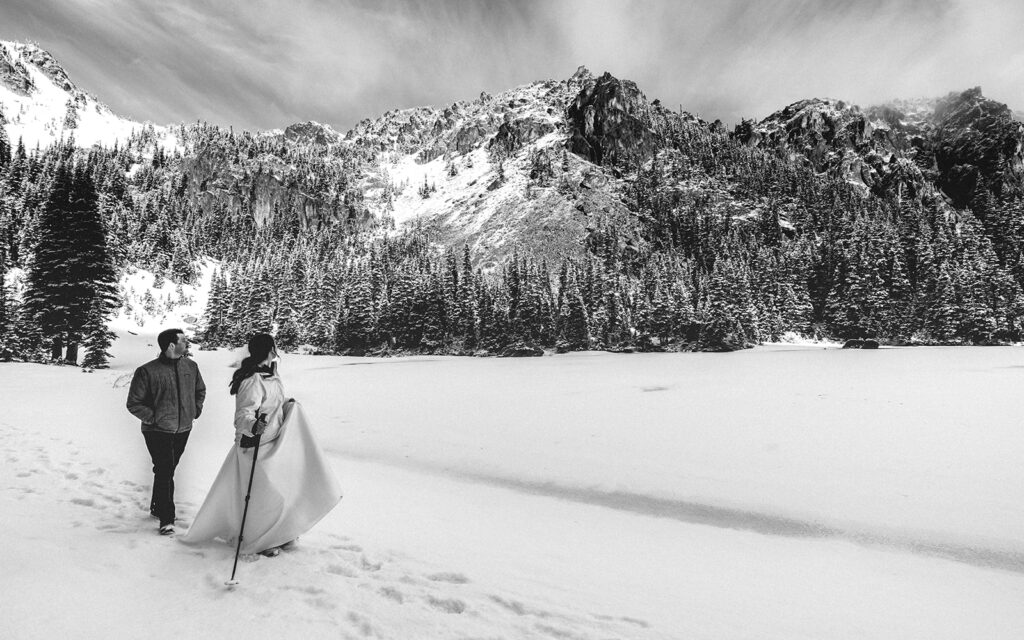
point(255, 452)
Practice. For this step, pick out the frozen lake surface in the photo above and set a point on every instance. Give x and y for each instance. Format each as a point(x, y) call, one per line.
point(780, 492)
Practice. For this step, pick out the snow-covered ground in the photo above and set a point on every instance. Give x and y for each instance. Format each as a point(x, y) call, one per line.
point(149, 304)
point(781, 492)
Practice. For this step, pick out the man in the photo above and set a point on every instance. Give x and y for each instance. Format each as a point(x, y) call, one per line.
point(167, 394)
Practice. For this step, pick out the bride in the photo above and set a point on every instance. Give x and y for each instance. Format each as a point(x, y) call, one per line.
point(292, 484)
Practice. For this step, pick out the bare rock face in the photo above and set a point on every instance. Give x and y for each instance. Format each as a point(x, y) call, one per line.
point(14, 75)
point(869, 148)
point(311, 132)
point(905, 149)
point(50, 67)
point(610, 122)
point(515, 133)
point(262, 187)
point(469, 137)
point(977, 142)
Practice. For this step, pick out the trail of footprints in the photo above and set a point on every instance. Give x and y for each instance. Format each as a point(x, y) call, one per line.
point(122, 508)
point(452, 593)
point(119, 506)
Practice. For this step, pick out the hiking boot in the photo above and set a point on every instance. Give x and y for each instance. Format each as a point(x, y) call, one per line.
point(167, 529)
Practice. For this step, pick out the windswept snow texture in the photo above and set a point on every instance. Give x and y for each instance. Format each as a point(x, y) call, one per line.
point(781, 492)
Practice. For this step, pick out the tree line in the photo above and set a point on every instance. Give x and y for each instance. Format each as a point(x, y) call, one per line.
point(723, 247)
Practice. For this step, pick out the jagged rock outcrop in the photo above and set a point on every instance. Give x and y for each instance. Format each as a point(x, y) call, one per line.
point(43, 104)
point(609, 121)
point(469, 137)
point(312, 132)
point(14, 75)
point(976, 142)
point(902, 149)
point(263, 187)
point(515, 133)
point(50, 67)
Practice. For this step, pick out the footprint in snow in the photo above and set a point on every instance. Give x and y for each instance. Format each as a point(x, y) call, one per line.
point(369, 565)
point(339, 570)
point(555, 632)
point(361, 623)
point(321, 602)
point(447, 605)
point(355, 548)
point(313, 591)
point(453, 578)
point(518, 608)
point(392, 594)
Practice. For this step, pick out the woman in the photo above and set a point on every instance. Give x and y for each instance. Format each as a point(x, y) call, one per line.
point(259, 394)
point(292, 484)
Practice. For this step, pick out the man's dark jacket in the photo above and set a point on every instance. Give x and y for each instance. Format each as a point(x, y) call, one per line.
point(167, 395)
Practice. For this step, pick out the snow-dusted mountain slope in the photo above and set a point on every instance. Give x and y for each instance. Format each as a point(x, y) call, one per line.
point(540, 165)
point(40, 104)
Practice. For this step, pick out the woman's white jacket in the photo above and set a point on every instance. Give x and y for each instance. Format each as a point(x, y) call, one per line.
point(259, 394)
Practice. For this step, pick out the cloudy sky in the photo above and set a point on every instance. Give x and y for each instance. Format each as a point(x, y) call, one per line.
point(258, 64)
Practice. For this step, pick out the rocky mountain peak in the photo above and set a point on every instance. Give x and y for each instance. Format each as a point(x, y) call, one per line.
point(579, 79)
point(312, 132)
point(610, 122)
point(14, 75)
point(16, 58)
point(909, 147)
point(977, 143)
point(41, 104)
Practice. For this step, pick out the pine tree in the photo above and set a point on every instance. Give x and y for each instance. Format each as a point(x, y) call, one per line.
point(98, 339)
point(5, 145)
point(71, 277)
point(212, 334)
point(721, 312)
point(6, 348)
point(573, 323)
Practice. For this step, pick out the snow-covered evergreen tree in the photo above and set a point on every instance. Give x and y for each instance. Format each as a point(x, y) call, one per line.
point(71, 277)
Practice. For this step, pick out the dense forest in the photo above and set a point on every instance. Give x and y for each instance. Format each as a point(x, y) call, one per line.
point(692, 266)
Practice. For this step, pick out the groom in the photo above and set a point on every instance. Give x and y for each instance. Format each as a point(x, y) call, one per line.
point(166, 394)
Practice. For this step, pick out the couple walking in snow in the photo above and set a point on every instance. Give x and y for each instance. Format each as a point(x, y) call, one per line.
point(292, 486)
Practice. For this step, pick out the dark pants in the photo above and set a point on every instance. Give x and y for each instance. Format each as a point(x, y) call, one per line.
point(166, 450)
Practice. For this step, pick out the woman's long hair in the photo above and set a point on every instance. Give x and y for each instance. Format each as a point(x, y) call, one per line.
point(260, 346)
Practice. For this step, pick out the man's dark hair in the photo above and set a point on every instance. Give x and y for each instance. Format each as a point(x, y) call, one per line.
point(167, 337)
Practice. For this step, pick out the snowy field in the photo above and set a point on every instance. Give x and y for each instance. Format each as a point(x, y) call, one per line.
point(781, 492)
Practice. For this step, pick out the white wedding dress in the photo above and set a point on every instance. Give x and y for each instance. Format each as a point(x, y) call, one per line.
point(293, 487)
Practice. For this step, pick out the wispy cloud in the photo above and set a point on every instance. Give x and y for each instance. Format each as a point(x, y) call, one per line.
point(263, 64)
